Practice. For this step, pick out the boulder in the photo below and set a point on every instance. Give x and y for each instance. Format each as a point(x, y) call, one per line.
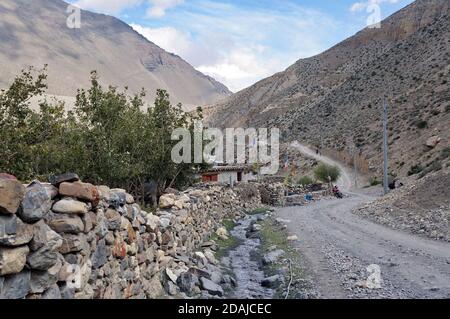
point(100, 255)
point(12, 193)
point(8, 176)
point(272, 257)
point(272, 282)
point(12, 260)
point(171, 275)
point(73, 243)
point(153, 288)
point(65, 223)
point(433, 141)
point(113, 219)
point(82, 191)
point(15, 286)
point(36, 203)
point(70, 206)
point(211, 287)
point(53, 293)
point(68, 177)
point(186, 282)
point(166, 201)
point(14, 232)
point(117, 198)
point(44, 236)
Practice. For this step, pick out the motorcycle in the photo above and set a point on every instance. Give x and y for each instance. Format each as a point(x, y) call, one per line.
point(337, 193)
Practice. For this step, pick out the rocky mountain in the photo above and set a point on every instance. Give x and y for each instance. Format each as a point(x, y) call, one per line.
point(336, 97)
point(36, 33)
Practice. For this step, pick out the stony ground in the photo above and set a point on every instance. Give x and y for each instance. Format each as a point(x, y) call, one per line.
point(421, 207)
point(338, 246)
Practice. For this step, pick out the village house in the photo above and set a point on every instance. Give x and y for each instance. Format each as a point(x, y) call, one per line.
point(229, 174)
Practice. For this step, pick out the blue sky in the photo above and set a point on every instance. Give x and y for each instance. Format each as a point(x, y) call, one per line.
point(242, 42)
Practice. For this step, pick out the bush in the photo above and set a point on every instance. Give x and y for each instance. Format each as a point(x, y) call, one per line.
point(305, 181)
point(416, 169)
point(323, 172)
point(422, 124)
point(375, 182)
point(106, 139)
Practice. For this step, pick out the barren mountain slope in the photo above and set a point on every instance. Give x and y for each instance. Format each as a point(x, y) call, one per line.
point(338, 94)
point(35, 33)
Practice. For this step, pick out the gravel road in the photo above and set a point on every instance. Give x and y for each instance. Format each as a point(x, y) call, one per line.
point(338, 246)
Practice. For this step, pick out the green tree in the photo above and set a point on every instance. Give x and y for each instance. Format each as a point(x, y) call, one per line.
point(327, 173)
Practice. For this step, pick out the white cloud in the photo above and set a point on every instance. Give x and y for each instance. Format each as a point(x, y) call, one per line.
point(158, 7)
point(363, 5)
point(107, 6)
point(239, 46)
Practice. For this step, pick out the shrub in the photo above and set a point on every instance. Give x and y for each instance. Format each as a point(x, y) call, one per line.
point(305, 181)
point(422, 124)
point(374, 181)
point(324, 171)
point(416, 169)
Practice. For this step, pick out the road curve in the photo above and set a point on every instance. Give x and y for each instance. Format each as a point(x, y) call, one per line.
point(338, 246)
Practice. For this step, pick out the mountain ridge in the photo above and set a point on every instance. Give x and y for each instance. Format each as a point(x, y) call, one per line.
point(334, 98)
point(35, 34)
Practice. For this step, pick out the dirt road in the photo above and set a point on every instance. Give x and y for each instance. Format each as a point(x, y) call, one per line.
point(338, 246)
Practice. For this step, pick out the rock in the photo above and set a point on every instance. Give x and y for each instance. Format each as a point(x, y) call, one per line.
point(186, 281)
point(129, 199)
point(164, 221)
point(153, 288)
point(70, 206)
point(113, 219)
point(272, 282)
point(15, 286)
point(100, 255)
point(44, 236)
point(12, 193)
point(222, 232)
point(152, 222)
point(55, 180)
point(210, 257)
point(88, 221)
point(171, 288)
point(272, 257)
point(12, 260)
point(171, 275)
point(53, 293)
point(292, 238)
point(40, 281)
point(166, 201)
point(117, 198)
point(8, 176)
point(13, 232)
point(51, 190)
point(67, 292)
point(35, 204)
point(43, 259)
point(211, 287)
point(433, 141)
point(73, 243)
point(65, 223)
point(82, 191)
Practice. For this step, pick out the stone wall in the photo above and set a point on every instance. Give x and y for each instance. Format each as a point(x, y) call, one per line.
point(70, 239)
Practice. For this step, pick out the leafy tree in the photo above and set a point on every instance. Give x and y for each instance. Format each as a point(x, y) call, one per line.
point(106, 139)
point(327, 173)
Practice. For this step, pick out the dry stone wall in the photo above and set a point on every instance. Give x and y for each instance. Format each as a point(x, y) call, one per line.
point(69, 239)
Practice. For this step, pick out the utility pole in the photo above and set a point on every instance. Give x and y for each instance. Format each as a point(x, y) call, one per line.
point(355, 166)
point(385, 148)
